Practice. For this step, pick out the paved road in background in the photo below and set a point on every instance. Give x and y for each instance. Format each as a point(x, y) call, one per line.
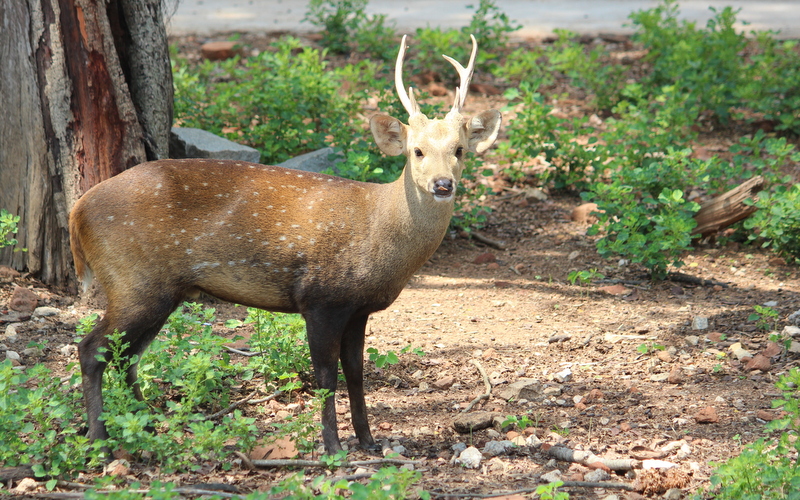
point(538, 17)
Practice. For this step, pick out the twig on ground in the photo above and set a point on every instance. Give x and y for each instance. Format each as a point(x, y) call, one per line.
point(236, 404)
point(488, 241)
point(522, 491)
point(486, 384)
point(249, 354)
point(694, 280)
point(320, 463)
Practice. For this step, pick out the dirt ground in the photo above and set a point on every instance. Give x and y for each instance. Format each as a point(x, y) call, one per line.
point(647, 379)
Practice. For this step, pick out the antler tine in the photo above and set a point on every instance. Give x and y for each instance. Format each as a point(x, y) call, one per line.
point(465, 75)
point(406, 98)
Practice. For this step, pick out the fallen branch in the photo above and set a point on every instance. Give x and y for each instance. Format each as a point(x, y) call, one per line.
point(320, 463)
point(242, 401)
point(589, 459)
point(488, 241)
point(522, 491)
point(486, 384)
point(693, 280)
point(728, 208)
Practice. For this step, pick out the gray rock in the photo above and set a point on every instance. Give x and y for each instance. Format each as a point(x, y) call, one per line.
point(551, 477)
point(46, 311)
point(563, 376)
point(699, 323)
point(186, 142)
point(468, 422)
point(526, 388)
point(597, 475)
point(533, 441)
point(458, 448)
point(315, 161)
point(470, 458)
point(791, 331)
point(12, 355)
point(495, 448)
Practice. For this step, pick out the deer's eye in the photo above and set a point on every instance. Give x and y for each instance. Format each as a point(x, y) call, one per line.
point(459, 152)
point(418, 152)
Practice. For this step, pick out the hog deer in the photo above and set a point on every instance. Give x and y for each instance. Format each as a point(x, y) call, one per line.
point(331, 249)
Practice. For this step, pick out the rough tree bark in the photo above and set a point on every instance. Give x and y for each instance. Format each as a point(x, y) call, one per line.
point(85, 92)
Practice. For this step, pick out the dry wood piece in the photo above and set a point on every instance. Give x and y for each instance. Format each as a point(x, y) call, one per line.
point(486, 384)
point(488, 241)
point(589, 459)
point(727, 208)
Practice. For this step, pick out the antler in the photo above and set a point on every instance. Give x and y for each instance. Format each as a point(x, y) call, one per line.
point(466, 75)
point(406, 98)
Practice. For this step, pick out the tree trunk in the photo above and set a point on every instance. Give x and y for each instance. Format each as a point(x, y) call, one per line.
point(75, 75)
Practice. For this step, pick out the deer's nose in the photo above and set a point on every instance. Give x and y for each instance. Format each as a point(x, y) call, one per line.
point(443, 188)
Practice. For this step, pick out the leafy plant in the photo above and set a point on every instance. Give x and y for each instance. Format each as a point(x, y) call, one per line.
point(550, 491)
point(765, 317)
point(776, 223)
point(522, 422)
point(391, 358)
point(8, 228)
point(345, 26)
point(584, 277)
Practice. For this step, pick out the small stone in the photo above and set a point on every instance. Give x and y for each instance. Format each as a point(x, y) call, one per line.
point(675, 375)
point(11, 331)
point(493, 266)
point(458, 448)
point(12, 355)
point(519, 441)
point(119, 467)
point(664, 356)
point(495, 448)
point(583, 213)
point(23, 300)
point(424, 387)
point(533, 441)
point(699, 323)
point(484, 258)
point(32, 351)
point(552, 391)
point(759, 362)
point(444, 383)
point(551, 477)
point(659, 377)
point(707, 415)
point(771, 303)
point(715, 336)
point(794, 347)
point(772, 349)
point(46, 311)
point(470, 458)
point(770, 415)
point(218, 50)
point(399, 449)
point(597, 475)
point(26, 485)
point(574, 255)
point(469, 422)
point(594, 395)
point(525, 388)
point(791, 331)
point(740, 352)
point(673, 494)
point(692, 340)
point(563, 376)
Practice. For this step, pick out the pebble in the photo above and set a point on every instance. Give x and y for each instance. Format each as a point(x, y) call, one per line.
point(551, 477)
point(597, 475)
point(563, 376)
point(495, 448)
point(458, 448)
point(470, 458)
point(699, 323)
point(12, 355)
point(46, 311)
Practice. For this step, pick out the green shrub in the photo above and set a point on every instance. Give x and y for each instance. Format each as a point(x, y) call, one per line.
point(345, 26)
point(776, 223)
point(643, 214)
point(283, 102)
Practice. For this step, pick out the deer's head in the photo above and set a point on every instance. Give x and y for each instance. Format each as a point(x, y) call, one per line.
point(435, 148)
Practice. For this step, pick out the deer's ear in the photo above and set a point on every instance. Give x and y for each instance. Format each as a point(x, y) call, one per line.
point(389, 133)
point(482, 130)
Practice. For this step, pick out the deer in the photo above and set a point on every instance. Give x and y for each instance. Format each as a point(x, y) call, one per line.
point(331, 249)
